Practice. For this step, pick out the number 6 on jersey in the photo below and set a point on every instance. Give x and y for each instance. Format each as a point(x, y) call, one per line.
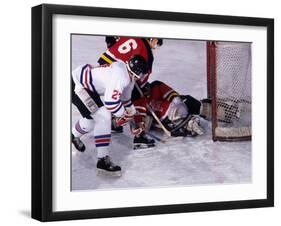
point(127, 46)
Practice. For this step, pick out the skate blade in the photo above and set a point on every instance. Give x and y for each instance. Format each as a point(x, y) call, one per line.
point(101, 172)
point(143, 146)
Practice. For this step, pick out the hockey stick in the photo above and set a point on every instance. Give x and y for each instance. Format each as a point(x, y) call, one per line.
point(153, 113)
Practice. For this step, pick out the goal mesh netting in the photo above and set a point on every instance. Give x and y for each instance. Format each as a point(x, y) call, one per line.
point(229, 67)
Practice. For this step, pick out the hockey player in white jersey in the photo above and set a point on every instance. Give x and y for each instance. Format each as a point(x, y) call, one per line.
point(114, 83)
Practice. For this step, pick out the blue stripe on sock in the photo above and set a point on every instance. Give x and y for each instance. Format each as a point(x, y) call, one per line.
point(102, 145)
point(103, 136)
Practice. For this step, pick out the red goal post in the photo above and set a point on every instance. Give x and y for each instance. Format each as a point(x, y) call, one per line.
point(229, 75)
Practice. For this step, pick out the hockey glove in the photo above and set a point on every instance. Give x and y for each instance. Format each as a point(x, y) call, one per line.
point(124, 119)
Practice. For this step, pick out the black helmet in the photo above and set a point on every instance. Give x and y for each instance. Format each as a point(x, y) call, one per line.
point(138, 66)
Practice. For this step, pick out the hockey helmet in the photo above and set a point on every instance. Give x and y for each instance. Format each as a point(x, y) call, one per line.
point(137, 65)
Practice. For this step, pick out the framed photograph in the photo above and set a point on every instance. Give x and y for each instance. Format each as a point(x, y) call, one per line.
point(146, 112)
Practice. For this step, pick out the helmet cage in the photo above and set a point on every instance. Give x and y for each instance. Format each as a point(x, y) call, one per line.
point(137, 76)
point(137, 66)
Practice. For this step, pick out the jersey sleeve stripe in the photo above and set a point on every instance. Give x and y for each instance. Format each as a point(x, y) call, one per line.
point(106, 57)
point(102, 61)
point(121, 105)
point(171, 95)
point(112, 102)
point(109, 55)
point(86, 78)
point(82, 74)
point(113, 108)
point(91, 82)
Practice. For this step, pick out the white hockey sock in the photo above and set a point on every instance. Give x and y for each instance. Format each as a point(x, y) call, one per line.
point(102, 152)
point(82, 127)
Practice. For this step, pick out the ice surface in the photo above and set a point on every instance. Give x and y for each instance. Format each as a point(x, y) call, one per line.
point(178, 162)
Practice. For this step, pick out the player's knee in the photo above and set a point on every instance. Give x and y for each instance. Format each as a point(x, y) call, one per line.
point(87, 124)
point(103, 115)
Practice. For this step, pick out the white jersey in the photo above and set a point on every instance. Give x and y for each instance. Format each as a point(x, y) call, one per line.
point(111, 81)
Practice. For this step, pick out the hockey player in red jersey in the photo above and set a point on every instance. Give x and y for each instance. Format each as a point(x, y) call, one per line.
point(126, 47)
point(178, 113)
point(115, 83)
point(122, 48)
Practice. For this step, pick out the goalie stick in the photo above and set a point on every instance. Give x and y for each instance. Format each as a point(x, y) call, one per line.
point(168, 133)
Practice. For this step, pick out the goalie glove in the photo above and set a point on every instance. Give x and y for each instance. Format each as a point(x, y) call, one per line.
point(194, 127)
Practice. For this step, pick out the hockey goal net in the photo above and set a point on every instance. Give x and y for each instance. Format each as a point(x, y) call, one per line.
point(229, 87)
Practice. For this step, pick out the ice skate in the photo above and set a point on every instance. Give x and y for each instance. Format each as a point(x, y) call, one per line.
point(106, 167)
point(78, 144)
point(142, 141)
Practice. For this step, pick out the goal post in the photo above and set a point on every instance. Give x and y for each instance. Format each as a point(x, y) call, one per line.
point(229, 74)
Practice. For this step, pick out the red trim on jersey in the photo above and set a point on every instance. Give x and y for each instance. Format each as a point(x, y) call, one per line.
point(86, 78)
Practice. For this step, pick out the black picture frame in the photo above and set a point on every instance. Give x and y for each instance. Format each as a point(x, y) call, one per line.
point(42, 108)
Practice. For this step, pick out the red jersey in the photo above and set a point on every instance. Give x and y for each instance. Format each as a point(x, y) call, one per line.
point(159, 100)
point(124, 49)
